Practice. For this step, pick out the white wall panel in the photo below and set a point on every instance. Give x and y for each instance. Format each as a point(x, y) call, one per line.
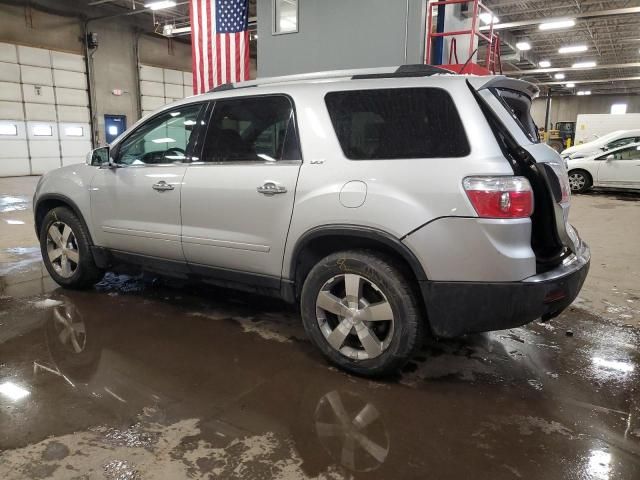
point(8, 53)
point(73, 160)
point(14, 167)
point(75, 131)
point(11, 110)
point(152, 74)
point(38, 57)
point(67, 61)
point(173, 76)
point(154, 89)
point(38, 94)
point(146, 113)
point(187, 90)
point(14, 149)
point(187, 78)
point(36, 75)
point(152, 103)
point(40, 111)
point(72, 96)
point(44, 148)
point(74, 148)
point(9, 72)
point(65, 78)
point(73, 114)
point(40, 166)
point(10, 91)
point(173, 91)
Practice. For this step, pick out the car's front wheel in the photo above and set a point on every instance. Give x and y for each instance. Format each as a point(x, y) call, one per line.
point(66, 250)
point(579, 180)
point(362, 312)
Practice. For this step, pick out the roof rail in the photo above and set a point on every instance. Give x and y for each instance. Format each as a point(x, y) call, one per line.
point(417, 70)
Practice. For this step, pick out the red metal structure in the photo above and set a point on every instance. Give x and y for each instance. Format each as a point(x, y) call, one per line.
point(492, 51)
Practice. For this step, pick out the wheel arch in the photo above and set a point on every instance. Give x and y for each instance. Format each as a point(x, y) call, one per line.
point(48, 202)
point(322, 241)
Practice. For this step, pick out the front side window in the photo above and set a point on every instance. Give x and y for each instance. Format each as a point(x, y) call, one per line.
point(252, 129)
point(161, 140)
point(631, 153)
point(397, 123)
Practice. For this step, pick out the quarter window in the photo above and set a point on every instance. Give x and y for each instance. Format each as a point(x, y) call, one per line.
point(397, 123)
point(162, 139)
point(252, 129)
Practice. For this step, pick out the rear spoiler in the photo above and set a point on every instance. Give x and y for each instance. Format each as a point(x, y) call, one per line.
point(480, 83)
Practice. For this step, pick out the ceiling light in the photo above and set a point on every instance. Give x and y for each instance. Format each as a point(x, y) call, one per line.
point(486, 18)
point(619, 108)
point(584, 92)
point(584, 65)
point(557, 24)
point(544, 64)
point(573, 49)
point(170, 30)
point(559, 76)
point(570, 85)
point(160, 5)
point(523, 46)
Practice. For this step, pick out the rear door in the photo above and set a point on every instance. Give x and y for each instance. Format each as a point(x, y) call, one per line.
point(620, 168)
point(237, 200)
point(136, 206)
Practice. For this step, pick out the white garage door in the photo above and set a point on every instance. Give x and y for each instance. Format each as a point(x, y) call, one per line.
point(44, 110)
point(159, 86)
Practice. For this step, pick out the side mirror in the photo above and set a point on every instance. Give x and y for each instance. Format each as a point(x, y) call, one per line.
point(610, 157)
point(99, 157)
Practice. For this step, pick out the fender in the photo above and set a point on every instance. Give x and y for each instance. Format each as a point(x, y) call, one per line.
point(357, 231)
point(62, 199)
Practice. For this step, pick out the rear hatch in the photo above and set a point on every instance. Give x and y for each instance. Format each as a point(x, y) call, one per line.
point(506, 104)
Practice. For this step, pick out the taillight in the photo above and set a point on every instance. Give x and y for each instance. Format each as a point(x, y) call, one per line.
point(500, 197)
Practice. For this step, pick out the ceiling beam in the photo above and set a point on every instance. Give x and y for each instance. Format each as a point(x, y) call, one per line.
point(558, 69)
point(602, 80)
point(577, 16)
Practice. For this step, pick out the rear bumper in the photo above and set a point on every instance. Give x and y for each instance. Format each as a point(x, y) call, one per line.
point(456, 308)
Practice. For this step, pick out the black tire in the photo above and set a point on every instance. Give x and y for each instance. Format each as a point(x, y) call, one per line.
point(580, 181)
point(557, 145)
point(392, 282)
point(86, 273)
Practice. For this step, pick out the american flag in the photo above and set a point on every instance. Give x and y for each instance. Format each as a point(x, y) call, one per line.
point(219, 42)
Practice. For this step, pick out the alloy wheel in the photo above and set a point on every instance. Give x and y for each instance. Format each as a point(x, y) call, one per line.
point(354, 316)
point(577, 181)
point(62, 249)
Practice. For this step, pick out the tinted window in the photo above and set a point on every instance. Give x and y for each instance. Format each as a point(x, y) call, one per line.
point(162, 139)
point(631, 153)
point(252, 129)
point(519, 105)
point(397, 123)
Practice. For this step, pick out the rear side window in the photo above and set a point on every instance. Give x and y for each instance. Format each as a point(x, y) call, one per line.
point(397, 123)
point(519, 105)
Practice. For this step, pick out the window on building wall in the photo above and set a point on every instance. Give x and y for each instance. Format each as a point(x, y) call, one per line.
point(8, 129)
point(285, 16)
point(42, 131)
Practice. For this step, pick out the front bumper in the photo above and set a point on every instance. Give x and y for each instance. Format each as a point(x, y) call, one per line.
point(456, 308)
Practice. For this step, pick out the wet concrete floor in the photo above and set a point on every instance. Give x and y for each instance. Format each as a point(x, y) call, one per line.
point(140, 380)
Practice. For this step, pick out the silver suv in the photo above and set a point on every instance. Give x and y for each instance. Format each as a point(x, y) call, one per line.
point(389, 203)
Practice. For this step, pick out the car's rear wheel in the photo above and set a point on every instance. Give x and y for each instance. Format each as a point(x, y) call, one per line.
point(361, 310)
point(579, 180)
point(66, 250)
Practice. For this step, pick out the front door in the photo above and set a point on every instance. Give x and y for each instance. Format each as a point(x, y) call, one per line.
point(620, 168)
point(237, 200)
point(135, 207)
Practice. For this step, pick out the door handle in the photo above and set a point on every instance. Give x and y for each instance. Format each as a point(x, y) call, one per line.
point(162, 186)
point(271, 188)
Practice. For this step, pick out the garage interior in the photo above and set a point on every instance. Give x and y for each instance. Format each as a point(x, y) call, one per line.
point(167, 379)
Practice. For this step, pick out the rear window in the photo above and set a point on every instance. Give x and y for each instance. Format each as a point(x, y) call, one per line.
point(519, 105)
point(397, 123)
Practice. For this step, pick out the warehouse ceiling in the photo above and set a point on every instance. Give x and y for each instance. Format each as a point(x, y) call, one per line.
point(609, 29)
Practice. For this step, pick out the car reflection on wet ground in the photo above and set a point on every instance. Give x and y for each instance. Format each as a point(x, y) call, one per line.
point(137, 379)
